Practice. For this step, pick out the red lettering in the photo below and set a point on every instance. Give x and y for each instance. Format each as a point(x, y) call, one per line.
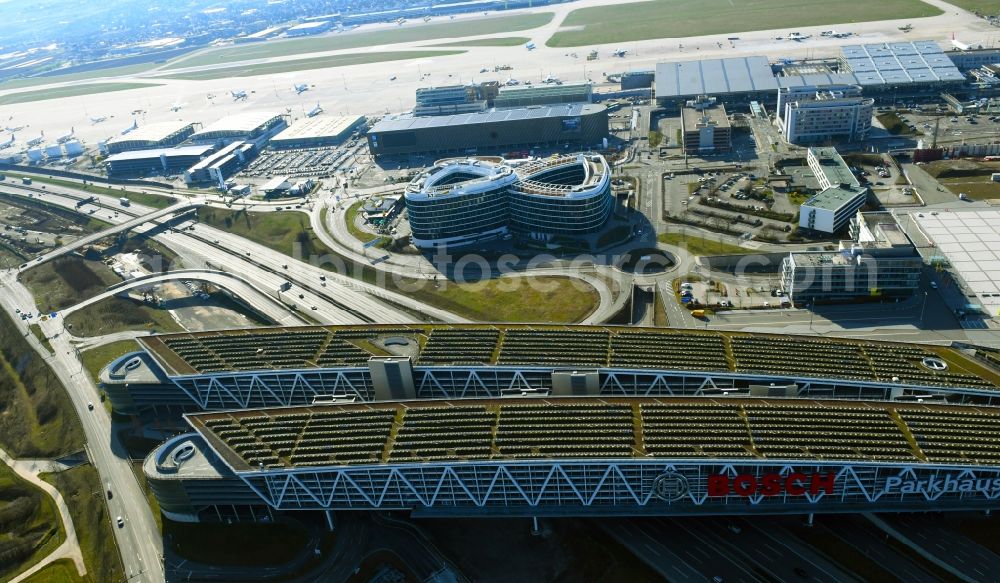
point(770, 485)
point(822, 482)
point(744, 484)
point(793, 484)
point(718, 485)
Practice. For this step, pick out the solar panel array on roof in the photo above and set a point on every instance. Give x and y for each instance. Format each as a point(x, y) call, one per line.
point(900, 63)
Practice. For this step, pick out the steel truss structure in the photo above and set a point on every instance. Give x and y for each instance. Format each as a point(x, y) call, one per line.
point(241, 390)
point(622, 487)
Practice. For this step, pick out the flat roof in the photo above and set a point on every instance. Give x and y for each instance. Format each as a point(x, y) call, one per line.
point(838, 172)
point(309, 25)
point(876, 64)
point(691, 117)
point(400, 123)
point(313, 347)
point(198, 150)
point(244, 122)
point(832, 199)
point(275, 183)
point(703, 428)
point(970, 239)
point(153, 132)
point(320, 126)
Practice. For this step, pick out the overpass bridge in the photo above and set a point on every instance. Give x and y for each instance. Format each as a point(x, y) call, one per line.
point(171, 211)
point(259, 300)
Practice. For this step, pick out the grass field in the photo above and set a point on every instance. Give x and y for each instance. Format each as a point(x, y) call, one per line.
point(118, 315)
point(307, 64)
point(30, 527)
point(895, 125)
point(976, 188)
point(96, 358)
point(84, 494)
point(36, 418)
point(559, 300)
point(61, 571)
point(555, 299)
point(991, 7)
point(281, 231)
point(408, 33)
point(500, 41)
point(700, 246)
point(349, 216)
point(67, 280)
point(655, 19)
point(69, 91)
point(81, 76)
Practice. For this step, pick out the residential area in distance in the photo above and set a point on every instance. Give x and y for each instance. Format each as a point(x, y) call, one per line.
point(500, 290)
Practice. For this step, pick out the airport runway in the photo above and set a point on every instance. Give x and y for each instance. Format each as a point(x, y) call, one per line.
point(367, 89)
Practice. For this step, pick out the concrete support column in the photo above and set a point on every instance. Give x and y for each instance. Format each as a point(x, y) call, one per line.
point(809, 519)
point(331, 524)
point(535, 530)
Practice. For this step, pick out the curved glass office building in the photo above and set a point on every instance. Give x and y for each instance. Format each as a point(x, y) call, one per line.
point(562, 195)
point(459, 202)
point(463, 201)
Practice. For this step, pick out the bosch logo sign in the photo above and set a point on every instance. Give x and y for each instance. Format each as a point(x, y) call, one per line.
point(670, 486)
point(795, 484)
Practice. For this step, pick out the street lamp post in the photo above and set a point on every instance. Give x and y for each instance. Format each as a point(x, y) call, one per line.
point(923, 306)
point(812, 312)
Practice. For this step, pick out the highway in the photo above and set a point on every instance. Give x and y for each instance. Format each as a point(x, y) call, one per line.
point(338, 300)
point(264, 303)
point(139, 540)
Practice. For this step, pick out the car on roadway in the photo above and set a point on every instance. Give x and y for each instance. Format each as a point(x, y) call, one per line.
point(934, 285)
point(120, 522)
point(90, 406)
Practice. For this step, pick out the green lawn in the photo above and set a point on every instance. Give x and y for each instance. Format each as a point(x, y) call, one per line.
point(403, 34)
point(69, 91)
point(655, 19)
point(307, 64)
point(118, 315)
point(30, 527)
point(122, 71)
point(349, 216)
point(895, 125)
point(61, 571)
point(990, 7)
point(493, 301)
point(700, 246)
point(97, 358)
point(67, 280)
point(499, 41)
point(559, 300)
point(36, 418)
point(976, 188)
point(281, 231)
point(84, 494)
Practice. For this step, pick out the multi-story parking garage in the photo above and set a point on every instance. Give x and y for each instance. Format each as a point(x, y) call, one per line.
point(281, 367)
point(463, 201)
point(594, 456)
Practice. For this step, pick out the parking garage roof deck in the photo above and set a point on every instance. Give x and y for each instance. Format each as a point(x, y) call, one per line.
point(700, 429)
point(594, 347)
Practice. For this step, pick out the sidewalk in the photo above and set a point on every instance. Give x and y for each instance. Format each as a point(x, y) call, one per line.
point(70, 548)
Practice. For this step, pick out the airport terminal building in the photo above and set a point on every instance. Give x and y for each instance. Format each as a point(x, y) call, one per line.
point(473, 420)
point(493, 131)
point(464, 201)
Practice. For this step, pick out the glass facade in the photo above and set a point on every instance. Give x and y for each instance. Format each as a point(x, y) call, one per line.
point(463, 202)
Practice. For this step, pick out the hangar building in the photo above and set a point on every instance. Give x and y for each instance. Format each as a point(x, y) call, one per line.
point(255, 127)
point(161, 161)
point(319, 131)
point(151, 137)
point(578, 124)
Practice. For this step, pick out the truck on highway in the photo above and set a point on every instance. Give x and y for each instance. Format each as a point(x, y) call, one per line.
point(124, 201)
point(25, 180)
point(84, 201)
point(698, 313)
